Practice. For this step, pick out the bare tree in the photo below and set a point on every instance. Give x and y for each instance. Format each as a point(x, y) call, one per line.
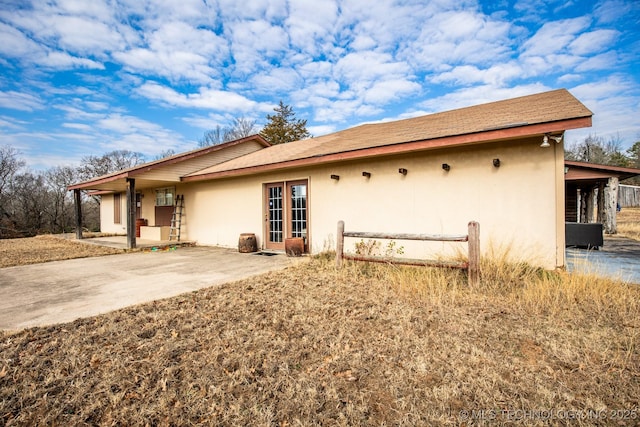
point(59, 209)
point(164, 154)
point(239, 128)
point(28, 204)
point(595, 149)
point(10, 164)
point(113, 161)
point(242, 128)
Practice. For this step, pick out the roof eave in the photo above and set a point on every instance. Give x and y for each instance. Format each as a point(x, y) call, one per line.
point(618, 171)
point(406, 147)
point(149, 166)
point(89, 184)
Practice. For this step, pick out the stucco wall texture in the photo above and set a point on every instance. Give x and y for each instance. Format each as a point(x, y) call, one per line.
point(519, 204)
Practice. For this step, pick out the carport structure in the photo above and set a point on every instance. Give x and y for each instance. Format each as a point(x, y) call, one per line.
point(591, 193)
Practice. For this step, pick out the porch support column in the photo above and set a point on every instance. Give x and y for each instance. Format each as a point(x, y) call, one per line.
point(78, 207)
point(601, 203)
point(131, 213)
point(611, 205)
point(587, 206)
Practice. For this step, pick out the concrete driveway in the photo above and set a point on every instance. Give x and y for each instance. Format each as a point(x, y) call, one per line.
point(619, 259)
point(62, 291)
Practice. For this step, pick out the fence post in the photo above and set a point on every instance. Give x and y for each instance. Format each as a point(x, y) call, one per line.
point(474, 253)
point(339, 244)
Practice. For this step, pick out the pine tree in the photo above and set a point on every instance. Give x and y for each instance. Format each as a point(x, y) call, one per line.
point(283, 127)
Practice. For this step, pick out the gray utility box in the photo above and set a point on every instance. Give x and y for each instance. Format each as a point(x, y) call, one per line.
point(584, 235)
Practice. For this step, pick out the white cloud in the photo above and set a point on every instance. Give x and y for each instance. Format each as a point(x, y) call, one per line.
point(594, 41)
point(9, 122)
point(555, 36)
point(276, 80)
point(20, 101)
point(77, 113)
point(605, 61)
point(311, 24)
point(255, 44)
point(253, 9)
point(610, 11)
point(321, 130)
point(73, 33)
point(386, 90)
point(178, 52)
point(79, 126)
point(361, 68)
point(616, 111)
point(15, 44)
point(208, 122)
point(64, 60)
point(206, 98)
point(496, 75)
point(94, 9)
point(566, 78)
point(459, 37)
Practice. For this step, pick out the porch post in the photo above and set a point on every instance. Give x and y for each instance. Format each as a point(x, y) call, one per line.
point(589, 205)
point(601, 203)
point(131, 213)
point(78, 205)
point(611, 205)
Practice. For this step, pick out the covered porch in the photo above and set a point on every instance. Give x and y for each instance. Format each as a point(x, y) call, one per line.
point(151, 192)
point(591, 201)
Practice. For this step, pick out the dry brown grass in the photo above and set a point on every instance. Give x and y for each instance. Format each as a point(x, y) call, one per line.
point(33, 250)
point(366, 345)
point(628, 220)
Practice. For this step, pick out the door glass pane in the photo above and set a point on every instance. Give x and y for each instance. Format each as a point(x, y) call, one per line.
point(275, 214)
point(299, 210)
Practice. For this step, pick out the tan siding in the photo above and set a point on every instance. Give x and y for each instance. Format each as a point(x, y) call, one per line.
point(175, 171)
point(107, 224)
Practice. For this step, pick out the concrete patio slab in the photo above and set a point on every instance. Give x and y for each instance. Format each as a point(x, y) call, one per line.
point(619, 259)
point(62, 291)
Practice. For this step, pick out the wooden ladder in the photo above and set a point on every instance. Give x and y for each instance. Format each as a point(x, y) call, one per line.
point(176, 218)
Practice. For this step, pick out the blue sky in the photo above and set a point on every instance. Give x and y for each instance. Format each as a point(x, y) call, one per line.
point(82, 77)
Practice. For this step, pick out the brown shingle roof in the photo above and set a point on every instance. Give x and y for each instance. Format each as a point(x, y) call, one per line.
point(490, 119)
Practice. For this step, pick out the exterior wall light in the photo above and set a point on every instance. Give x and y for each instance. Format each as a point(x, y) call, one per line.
point(336, 177)
point(402, 171)
point(545, 140)
point(496, 163)
point(366, 174)
point(446, 167)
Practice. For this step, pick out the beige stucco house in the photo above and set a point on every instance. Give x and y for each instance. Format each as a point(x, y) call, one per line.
point(429, 174)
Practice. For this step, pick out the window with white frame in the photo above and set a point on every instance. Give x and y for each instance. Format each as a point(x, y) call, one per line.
point(165, 196)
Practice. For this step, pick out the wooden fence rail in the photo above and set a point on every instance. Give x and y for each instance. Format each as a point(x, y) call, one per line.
point(472, 238)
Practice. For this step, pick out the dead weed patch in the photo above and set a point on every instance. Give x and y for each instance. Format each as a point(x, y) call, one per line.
point(33, 250)
point(628, 220)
